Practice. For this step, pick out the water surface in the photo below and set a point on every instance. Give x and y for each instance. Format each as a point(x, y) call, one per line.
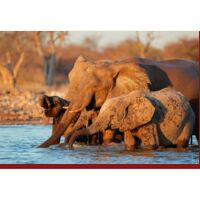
point(18, 145)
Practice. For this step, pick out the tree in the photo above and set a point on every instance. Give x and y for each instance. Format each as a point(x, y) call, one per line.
point(133, 47)
point(187, 48)
point(144, 48)
point(92, 42)
point(11, 46)
point(46, 44)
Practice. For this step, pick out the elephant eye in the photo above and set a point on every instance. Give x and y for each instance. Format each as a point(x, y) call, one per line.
point(56, 104)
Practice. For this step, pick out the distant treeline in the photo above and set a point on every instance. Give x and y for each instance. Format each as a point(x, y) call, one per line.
point(35, 59)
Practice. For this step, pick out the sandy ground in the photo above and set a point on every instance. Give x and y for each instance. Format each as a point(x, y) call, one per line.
point(21, 107)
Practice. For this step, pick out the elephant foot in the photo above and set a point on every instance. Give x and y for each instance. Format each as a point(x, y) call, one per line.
point(93, 140)
point(107, 137)
point(130, 148)
point(151, 147)
point(197, 136)
point(129, 141)
point(106, 142)
point(154, 147)
point(62, 145)
point(182, 144)
point(71, 147)
point(118, 138)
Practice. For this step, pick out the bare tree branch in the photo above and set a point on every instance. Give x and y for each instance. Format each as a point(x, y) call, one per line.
point(150, 38)
point(61, 37)
point(144, 47)
point(8, 57)
point(6, 76)
point(18, 64)
point(38, 43)
point(140, 45)
point(51, 42)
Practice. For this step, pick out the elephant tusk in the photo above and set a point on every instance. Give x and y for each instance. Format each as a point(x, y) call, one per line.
point(74, 111)
point(65, 107)
point(46, 109)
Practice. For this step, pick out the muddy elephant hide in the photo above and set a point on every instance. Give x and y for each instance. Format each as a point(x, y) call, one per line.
point(161, 118)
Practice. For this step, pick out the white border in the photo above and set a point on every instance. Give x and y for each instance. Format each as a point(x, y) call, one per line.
point(99, 15)
point(99, 184)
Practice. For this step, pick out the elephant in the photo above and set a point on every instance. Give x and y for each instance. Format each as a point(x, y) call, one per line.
point(176, 72)
point(54, 107)
point(159, 118)
point(92, 83)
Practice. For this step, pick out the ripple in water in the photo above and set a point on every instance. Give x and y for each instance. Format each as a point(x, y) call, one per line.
point(18, 145)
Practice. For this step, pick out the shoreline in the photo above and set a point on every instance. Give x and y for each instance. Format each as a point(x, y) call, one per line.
point(27, 122)
point(22, 107)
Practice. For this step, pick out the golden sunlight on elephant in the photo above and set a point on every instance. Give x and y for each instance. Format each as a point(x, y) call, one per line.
point(161, 118)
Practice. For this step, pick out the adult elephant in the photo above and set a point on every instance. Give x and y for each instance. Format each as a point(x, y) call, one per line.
point(176, 73)
point(181, 74)
point(91, 83)
point(160, 118)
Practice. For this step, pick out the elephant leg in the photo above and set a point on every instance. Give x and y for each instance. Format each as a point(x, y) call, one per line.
point(195, 107)
point(148, 135)
point(45, 120)
point(107, 137)
point(93, 139)
point(80, 123)
point(55, 124)
point(68, 131)
point(129, 141)
point(183, 139)
point(118, 137)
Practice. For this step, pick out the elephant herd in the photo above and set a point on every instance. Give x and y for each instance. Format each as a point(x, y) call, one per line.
point(137, 101)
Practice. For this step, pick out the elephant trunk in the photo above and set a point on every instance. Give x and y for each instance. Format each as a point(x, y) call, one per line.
point(64, 123)
point(73, 110)
point(94, 128)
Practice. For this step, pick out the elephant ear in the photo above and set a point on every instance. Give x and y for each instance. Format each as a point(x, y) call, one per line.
point(45, 101)
point(138, 112)
point(62, 102)
point(127, 78)
point(159, 107)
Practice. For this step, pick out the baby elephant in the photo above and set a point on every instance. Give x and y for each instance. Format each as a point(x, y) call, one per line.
point(55, 107)
point(160, 118)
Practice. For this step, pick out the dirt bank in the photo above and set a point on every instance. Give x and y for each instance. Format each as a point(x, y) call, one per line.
point(21, 107)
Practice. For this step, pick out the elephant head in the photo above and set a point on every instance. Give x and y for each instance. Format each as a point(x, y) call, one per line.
point(91, 83)
point(53, 106)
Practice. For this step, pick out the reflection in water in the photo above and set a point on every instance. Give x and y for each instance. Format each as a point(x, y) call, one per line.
point(18, 144)
point(140, 152)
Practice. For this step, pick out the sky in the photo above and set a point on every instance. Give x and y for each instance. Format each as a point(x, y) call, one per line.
point(113, 37)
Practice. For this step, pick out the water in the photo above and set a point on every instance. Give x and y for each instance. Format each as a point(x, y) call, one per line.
point(18, 145)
